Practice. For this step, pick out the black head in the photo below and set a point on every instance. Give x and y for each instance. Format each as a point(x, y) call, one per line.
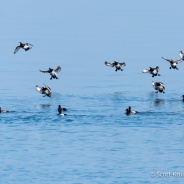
point(129, 109)
point(59, 109)
point(182, 97)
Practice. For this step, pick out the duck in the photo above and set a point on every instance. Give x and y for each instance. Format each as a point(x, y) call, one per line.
point(44, 90)
point(52, 72)
point(60, 110)
point(153, 71)
point(25, 46)
point(173, 63)
point(3, 111)
point(159, 87)
point(181, 54)
point(182, 98)
point(115, 64)
point(130, 112)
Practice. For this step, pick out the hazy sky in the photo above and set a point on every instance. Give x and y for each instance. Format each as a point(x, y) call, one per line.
point(81, 35)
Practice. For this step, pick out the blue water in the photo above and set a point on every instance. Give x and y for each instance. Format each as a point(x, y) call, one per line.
point(96, 142)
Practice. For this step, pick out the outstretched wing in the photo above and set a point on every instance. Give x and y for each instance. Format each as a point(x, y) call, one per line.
point(179, 61)
point(162, 85)
point(58, 69)
point(16, 49)
point(48, 88)
point(44, 71)
point(39, 89)
point(145, 70)
point(109, 64)
point(28, 44)
point(166, 59)
point(122, 64)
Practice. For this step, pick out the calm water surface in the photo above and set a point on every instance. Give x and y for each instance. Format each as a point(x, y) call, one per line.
point(96, 142)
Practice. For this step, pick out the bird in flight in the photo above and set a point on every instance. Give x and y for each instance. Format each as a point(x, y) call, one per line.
point(25, 46)
point(52, 72)
point(115, 64)
point(173, 63)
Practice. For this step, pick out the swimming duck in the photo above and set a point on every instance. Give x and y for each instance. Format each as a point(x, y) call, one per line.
point(44, 90)
point(52, 72)
point(129, 112)
point(25, 46)
point(182, 97)
point(3, 111)
point(159, 86)
point(153, 71)
point(181, 55)
point(173, 63)
point(115, 64)
point(60, 109)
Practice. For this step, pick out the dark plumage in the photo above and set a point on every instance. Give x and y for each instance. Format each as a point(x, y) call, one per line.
point(52, 72)
point(159, 87)
point(130, 112)
point(25, 46)
point(173, 63)
point(182, 98)
point(115, 64)
point(60, 110)
point(3, 111)
point(153, 71)
point(44, 90)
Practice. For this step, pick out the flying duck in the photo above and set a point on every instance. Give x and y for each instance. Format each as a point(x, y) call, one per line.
point(115, 64)
point(129, 112)
point(25, 46)
point(181, 55)
point(173, 63)
point(3, 111)
point(159, 87)
point(44, 90)
point(153, 71)
point(52, 72)
point(60, 110)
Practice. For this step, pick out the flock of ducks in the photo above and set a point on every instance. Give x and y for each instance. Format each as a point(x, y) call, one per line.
point(158, 86)
point(46, 90)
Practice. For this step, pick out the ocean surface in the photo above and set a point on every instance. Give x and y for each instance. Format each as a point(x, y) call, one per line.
point(96, 142)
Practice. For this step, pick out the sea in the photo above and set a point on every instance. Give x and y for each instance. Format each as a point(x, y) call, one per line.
point(96, 142)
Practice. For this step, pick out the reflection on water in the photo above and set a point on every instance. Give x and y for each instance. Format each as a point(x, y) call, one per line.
point(42, 106)
point(158, 102)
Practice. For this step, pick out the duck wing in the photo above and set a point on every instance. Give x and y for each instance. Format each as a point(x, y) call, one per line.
point(179, 61)
point(16, 49)
point(48, 88)
point(166, 59)
point(109, 64)
point(28, 44)
point(47, 71)
point(39, 89)
point(146, 70)
point(122, 64)
point(58, 69)
point(162, 85)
